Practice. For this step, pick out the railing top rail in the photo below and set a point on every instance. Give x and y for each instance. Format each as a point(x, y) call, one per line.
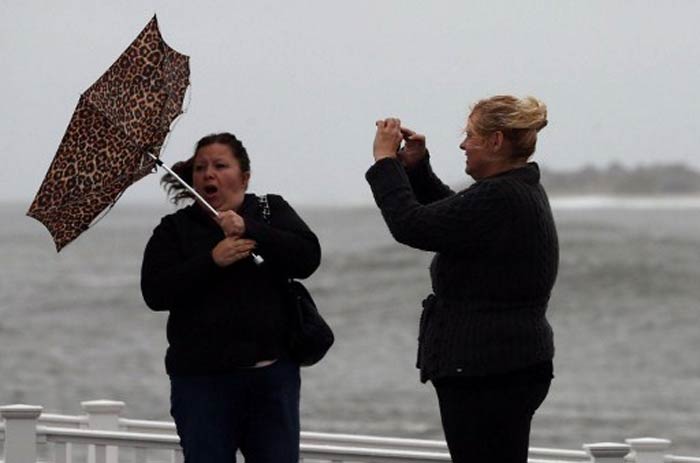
point(116, 438)
point(539, 460)
point(680, 459)
point(423, 444)
point(147, 424)
point(63, 417)
point(75, 420)
point(331, 452)
point(322, 438)
point(559, 453)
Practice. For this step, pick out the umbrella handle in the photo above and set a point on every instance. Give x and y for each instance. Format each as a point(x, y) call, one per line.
point(256, 258)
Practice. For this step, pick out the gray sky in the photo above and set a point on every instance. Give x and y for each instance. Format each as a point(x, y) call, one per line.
point(302, 82)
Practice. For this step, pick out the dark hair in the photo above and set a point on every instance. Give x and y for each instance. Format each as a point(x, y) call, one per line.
point(184, 169)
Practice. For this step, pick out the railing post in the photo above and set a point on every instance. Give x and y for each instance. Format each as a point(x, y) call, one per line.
point(20, 432)
point(104, 415)
point(607, 452)
point(648, 449)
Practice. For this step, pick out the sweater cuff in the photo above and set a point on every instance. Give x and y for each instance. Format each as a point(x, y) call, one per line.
point(385, 176)
point(422, 169)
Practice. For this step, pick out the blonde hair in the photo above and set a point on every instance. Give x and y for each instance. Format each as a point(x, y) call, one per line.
point(518, 119)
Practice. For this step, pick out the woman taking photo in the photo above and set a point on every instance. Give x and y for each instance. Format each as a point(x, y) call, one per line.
point(484, 340)
point(233, 384)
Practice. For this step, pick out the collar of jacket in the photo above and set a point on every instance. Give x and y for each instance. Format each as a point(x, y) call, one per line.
point(529, 173)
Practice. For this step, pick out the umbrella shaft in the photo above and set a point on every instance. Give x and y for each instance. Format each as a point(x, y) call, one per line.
point(184, 184)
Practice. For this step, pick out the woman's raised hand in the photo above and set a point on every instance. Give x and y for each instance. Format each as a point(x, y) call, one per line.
point(231, 223)
point(414, 150)
point(387, 139)
point(232, 249)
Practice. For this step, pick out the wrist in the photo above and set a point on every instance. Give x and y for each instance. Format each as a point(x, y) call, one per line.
point(215, 259)
point(380, 156)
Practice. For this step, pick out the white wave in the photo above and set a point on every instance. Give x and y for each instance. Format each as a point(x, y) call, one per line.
point(625, 202)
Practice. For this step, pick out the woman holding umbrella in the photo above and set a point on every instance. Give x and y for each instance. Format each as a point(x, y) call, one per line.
point(233, 384)
point(484, 340)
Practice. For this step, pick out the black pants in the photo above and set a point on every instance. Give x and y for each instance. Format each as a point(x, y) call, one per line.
point(255, 410)
point(486, 422)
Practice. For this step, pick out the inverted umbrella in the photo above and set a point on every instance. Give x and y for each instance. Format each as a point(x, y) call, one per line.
point(114, 137)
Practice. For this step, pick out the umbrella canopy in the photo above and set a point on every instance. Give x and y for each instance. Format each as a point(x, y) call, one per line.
point(119, 120)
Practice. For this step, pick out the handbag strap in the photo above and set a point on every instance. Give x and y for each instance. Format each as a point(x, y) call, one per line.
point(265, 207)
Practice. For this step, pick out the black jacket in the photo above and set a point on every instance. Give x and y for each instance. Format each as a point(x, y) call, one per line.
point(496, 262)
point(224, 318)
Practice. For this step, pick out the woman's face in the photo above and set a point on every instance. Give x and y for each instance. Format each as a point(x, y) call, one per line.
point(484, 156)
point(476, 151)
point(217, 176)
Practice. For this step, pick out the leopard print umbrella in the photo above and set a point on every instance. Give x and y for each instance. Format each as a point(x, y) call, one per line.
point(123, 116)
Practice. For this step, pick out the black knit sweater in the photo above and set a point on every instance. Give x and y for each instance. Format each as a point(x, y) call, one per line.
point(224, 318)
point(496, 262)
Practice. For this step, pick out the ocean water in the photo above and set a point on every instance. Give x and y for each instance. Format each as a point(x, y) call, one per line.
point(625, 312)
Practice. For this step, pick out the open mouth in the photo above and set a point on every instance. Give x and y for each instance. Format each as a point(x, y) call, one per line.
point(210, 189)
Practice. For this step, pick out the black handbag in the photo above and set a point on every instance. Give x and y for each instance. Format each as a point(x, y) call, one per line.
point(311, 336)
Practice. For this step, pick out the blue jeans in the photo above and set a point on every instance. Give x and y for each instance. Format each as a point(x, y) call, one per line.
point(255, 410)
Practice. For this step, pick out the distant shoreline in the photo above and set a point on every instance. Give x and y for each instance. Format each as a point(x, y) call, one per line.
point(557, 201)
point(616, 180)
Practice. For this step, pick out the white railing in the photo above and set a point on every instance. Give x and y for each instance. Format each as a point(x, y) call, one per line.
point(103, 436)
point(103, 445)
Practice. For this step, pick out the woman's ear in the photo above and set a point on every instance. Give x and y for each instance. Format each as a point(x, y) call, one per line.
point(246, 180)
point(496, 141)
